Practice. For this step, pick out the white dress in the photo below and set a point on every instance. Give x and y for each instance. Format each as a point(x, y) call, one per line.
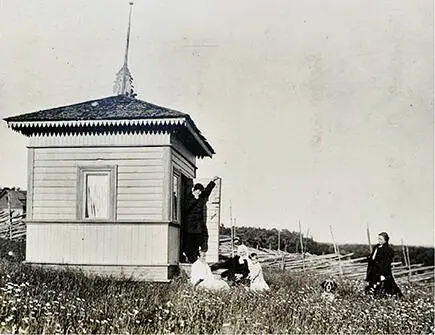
point(201, 271)
point(256, 276)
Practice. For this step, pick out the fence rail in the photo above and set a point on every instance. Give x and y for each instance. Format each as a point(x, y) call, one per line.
point(332, 264)
point(12, 225)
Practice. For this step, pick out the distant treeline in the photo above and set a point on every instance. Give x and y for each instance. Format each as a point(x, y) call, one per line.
point(290, 242)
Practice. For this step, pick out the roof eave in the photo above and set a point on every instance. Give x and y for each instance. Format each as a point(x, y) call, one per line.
point(19, 126)
point(207, 148)
point(108, 122)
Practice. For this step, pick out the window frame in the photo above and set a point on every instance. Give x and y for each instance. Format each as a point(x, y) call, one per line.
point(82, 172)
point(176, 173)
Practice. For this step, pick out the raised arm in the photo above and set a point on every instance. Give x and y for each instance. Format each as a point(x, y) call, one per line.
point(209, 188)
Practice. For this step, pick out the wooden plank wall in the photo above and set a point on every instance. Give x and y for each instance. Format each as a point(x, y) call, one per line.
point(183, 165)
point(139, 182)
point(137, 238)
point(97, 243)
point(173, 244)
point(183, 151)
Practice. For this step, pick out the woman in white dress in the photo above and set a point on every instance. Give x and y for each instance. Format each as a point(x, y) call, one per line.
point(202, 277)
point(256, 275)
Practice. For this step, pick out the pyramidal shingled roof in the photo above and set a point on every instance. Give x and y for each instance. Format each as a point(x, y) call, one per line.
point(111, 108)
point(118, 111)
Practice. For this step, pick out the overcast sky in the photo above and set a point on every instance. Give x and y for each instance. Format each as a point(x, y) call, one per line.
point(319, 111)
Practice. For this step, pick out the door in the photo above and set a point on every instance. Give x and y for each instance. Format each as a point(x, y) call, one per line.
point(213, 219)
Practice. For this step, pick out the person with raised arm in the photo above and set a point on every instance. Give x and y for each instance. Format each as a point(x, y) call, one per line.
point(195, 230)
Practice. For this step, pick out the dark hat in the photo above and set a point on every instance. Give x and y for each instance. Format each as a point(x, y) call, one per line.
point(198, 187)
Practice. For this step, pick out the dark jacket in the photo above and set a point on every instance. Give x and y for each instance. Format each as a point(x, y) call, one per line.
point(233, 267)
point(381, 265)
point(196, 211)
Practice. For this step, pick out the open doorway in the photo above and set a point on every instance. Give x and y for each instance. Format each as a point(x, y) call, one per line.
point(186, 192)
point(212, 214)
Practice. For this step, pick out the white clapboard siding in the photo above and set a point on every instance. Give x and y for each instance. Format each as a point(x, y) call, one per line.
point(53, 195)
point(71, 183)
point(49, 213)
point(178, 146)
point(182, 164)
point(55, 169)
point(97, 244)
point(140, 198)
point(126, 169)
point(149, 196)
point(138, 204)
point(90, 162)
point(93, 140)
point(96, 155)
point(140, 212)
point(40, 177)
point(213, 219)
point(54, 203)
point(144, 175)
point(89, 153)
point(174, 244)
point(140, 176)
point(137, 191)
point(139, 181)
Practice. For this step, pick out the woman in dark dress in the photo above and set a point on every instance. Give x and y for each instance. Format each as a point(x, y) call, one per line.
point(379, 275)
point(237, 267)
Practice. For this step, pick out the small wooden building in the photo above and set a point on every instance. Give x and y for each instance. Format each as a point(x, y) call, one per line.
point(105, 185)
point(14, 200)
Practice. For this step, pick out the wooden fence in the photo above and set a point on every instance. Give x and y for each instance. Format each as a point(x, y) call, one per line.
point(333, 264)
point(12, 225)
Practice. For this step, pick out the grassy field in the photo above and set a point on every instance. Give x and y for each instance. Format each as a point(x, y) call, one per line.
point(35, 301)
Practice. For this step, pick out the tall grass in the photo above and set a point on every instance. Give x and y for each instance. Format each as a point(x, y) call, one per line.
point(37, 300)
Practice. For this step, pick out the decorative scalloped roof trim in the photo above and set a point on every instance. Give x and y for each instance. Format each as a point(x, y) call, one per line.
point(87, 123)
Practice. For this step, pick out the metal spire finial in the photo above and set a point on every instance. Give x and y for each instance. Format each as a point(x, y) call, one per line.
point(124, 81)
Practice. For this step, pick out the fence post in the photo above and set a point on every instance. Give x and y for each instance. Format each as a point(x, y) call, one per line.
point(404, 254)
point(302, 246)
point(337, 251)
point(368, 239)
point(232, 230)
point(235, 231)
point(282, 265)
point(409, 263)
point(279, 240)
point(9, 215)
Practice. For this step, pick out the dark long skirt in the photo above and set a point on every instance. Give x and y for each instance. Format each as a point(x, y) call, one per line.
point(388, 287)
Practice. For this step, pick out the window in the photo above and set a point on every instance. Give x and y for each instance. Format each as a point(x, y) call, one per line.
point(176, 196)
point(96, 193)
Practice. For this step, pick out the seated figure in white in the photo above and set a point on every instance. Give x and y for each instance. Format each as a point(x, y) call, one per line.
point(202, 277)
point(256, 275)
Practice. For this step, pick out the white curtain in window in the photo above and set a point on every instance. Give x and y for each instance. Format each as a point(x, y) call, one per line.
point(175, 197)
point(97, 196)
